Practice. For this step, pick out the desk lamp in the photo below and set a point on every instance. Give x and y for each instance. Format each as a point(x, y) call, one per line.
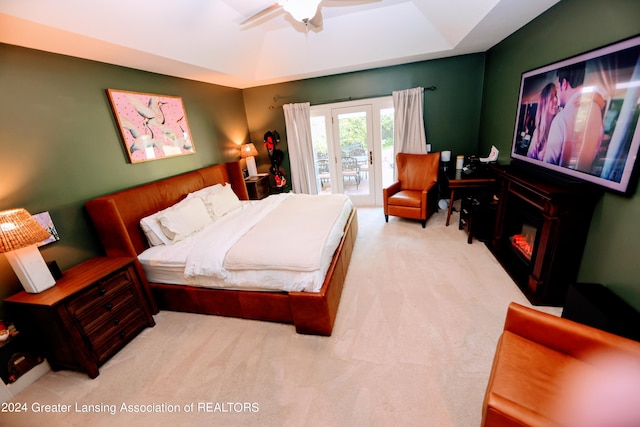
point(19, 235)
point(445, 158)
point(247, 152)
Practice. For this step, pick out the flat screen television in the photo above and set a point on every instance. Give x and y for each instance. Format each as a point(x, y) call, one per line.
point(579, 117)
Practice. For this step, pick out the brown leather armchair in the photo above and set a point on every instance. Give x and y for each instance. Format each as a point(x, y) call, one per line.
point(415, 194)
point(551, 371)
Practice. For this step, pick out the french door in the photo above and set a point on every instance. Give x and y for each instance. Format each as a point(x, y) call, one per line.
point(351, 148)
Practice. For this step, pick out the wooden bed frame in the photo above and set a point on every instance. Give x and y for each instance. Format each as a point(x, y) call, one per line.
point(116, 218)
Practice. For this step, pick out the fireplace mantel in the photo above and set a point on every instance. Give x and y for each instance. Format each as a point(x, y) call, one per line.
point(554, 216)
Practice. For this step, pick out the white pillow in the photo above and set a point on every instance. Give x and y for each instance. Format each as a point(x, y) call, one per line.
point(151, 228)
point(223, 201)
point(184, 220)
point(204, 192)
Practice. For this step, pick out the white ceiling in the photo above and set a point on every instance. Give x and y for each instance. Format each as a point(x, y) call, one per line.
point(203, 40)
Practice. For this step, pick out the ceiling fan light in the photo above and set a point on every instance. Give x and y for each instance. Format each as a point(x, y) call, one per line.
point(300, 10)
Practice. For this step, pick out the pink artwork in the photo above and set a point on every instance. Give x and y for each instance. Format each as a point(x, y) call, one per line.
point(44, 219)
point(151, 126)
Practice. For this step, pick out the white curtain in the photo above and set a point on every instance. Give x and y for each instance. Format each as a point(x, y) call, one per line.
point(298, 124)
point(408, 125)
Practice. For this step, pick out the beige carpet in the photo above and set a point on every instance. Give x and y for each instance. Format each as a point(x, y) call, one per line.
point(413, 343)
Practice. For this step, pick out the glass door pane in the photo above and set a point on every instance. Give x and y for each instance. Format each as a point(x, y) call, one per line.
point(321, 154)
point(386, 147)
point(352, 131)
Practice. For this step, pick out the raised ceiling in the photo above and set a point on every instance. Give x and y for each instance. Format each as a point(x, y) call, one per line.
point(204, 40)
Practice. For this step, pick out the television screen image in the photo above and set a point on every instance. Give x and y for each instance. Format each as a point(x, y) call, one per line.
point(579, 116)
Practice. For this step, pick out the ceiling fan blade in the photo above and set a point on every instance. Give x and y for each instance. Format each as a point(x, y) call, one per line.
point(316, 21)
point(332, 3)
point(272, 8)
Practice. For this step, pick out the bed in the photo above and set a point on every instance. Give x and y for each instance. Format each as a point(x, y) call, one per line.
point(116, 219)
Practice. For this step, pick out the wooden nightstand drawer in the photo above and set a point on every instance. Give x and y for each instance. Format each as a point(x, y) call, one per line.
point(115, 331)
point(100, 293)
point(105, 308)
point(92, 312)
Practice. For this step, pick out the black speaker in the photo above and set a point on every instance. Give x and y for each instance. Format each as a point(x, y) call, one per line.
point(54, 269)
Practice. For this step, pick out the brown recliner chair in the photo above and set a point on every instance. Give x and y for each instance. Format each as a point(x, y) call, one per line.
point(415, 194)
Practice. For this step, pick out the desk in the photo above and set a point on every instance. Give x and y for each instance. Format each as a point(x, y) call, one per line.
point(458, 180)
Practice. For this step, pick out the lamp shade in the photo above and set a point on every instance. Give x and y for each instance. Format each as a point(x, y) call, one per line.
point(248, 150)
point(18, 229)
point(300, 10)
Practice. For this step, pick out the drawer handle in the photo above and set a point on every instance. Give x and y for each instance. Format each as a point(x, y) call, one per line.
point(103, 291)
point(121, 334)
point(116, 321)
point(109, 306)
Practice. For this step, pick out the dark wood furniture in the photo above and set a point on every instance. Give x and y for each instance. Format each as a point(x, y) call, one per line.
point(116, 218)
point(598, 306)
point(459, 182)
point(258, 187)
point(89, 315)
point(540, 231)
point(18, 354)
point(478, 215)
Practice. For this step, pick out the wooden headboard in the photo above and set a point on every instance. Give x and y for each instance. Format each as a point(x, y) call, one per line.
point(116, 217)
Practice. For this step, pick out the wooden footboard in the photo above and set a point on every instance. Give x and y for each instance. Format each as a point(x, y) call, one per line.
point(315, 313)
point(311, 312)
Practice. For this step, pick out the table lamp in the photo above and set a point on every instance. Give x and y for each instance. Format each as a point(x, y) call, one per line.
point(445, 158)
point(19, 235)
point(247, 152)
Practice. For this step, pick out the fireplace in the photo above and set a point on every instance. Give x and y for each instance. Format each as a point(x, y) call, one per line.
point(541, 228)
point(524, 242)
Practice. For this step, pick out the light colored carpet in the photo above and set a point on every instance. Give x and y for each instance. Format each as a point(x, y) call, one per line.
point(413, 343)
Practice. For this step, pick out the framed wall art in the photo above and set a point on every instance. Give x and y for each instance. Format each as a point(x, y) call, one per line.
point(579, 116)
point(151, 126)
point(44, 219)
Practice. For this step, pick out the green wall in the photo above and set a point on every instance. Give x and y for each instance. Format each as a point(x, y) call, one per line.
point(59, 145)
point(451, 112)
point(570, 28)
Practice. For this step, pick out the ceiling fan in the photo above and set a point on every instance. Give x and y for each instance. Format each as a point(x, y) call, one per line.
point(305, 11)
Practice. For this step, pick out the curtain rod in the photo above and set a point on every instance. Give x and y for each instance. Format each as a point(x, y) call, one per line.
point(332, 101)
point(350, 98)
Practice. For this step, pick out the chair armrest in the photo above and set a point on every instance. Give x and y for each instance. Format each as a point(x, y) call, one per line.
point(430, 187)
point(563, 335)
point(391, 190)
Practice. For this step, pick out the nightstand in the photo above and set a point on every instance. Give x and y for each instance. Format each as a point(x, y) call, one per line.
point(258, 186)
point(93, 311)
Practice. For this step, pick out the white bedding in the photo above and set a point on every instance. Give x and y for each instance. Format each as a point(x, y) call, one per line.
point(264, 245)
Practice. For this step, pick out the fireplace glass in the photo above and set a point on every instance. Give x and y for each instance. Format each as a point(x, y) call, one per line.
point(524, 242)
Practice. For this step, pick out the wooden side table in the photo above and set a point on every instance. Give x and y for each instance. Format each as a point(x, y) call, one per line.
point(477, 216)
point(93, 311)
point(458, 181)
point(258, 186)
